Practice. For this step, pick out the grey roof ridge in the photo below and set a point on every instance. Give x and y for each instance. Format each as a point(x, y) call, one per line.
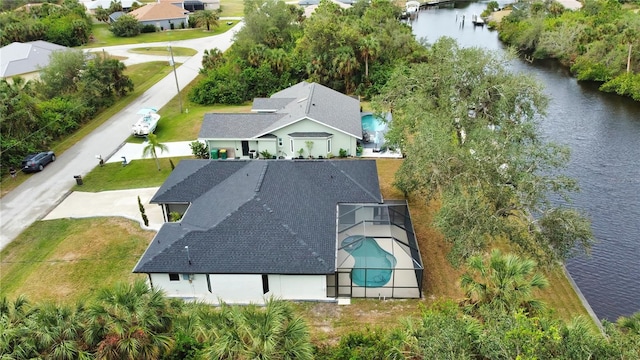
point(356, 182)
point(201, 215)
point(164, 189)
point(309, 99)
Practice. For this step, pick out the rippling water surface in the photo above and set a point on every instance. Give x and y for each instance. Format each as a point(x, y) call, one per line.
point(603, 132)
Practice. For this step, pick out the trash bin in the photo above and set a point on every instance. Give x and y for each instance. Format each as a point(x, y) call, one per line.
point(78, 179)
point(223, 153)
point(214, 153)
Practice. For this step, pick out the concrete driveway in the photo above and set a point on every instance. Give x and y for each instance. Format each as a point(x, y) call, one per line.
point(34, 198)
point(123, 203)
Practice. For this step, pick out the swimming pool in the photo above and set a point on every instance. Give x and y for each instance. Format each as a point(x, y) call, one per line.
point(373, 128)
point(374, 266)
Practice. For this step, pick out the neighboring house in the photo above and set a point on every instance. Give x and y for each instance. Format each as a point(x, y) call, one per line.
point(162, 15)
point(116, 15)
point(26, 59)
point(291, 229)
point(290, 120)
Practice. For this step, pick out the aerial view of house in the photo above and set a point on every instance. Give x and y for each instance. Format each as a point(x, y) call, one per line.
point(248, 230)
point(306, 119)
point(26, 59)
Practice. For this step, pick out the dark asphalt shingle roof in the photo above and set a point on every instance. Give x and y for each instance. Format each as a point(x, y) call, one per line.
point(301, 101)
point(269, 216)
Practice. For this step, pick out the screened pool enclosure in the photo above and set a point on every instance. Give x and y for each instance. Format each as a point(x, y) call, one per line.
point(377, 253)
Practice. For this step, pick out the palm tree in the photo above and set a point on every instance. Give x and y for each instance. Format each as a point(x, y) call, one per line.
point(130, 321)
point(150, 148)
point(369, 48)
point(252, 332)
point(15, 339)
point(345, 64)
point(58, 331)
point(505, 283)
point(206, 17)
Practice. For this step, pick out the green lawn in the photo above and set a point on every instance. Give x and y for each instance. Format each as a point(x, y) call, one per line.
point(68, 260)
point(164, 51)
point(104, 37)
point(137, 174)
point(232, 8)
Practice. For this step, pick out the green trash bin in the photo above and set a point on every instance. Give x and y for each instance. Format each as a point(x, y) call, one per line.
point(214, 153)
point(223, 154)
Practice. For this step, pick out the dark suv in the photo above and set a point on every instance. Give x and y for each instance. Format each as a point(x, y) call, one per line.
point(37, 162)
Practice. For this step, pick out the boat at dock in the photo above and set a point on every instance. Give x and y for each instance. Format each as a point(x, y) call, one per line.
point(147, 123)
point(477, 20)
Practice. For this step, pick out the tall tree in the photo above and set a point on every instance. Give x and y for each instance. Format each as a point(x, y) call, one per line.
point(470, 132)
point(150, 148)
point(206, 18)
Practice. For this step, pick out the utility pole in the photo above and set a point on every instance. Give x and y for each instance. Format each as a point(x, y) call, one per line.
point(176, 76)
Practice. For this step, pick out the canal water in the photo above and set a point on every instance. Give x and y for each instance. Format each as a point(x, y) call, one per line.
point(603, 132)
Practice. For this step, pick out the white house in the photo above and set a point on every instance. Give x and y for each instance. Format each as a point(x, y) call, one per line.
point(291, 229)
point(26, 59)
point(305, 119)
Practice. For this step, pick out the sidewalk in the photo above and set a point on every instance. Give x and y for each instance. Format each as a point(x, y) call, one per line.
point(132, 151)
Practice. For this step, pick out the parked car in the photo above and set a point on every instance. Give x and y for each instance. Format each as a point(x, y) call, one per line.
point(37, 162)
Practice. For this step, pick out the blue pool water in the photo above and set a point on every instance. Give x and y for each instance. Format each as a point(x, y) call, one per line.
point(374, 266)
point(372, 124)
point(373, 129)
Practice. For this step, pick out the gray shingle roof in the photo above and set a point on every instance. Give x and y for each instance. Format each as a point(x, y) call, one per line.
point(253, 217)
point(301, 101)
point(235, 126)
point(20, 58)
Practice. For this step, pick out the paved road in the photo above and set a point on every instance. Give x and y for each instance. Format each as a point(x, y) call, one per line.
point(33, 199)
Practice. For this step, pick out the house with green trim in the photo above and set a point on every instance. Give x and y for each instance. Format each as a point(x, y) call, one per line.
point(306, 119)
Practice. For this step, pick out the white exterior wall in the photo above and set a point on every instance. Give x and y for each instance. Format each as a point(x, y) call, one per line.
point(338, 140)
point(298, 287)
point(243, 288)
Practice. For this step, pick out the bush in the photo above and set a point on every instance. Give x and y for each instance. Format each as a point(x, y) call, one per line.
point(342, 153)
point(148, 28)
point(199, 150)
point(265, 154)
point(125, 26)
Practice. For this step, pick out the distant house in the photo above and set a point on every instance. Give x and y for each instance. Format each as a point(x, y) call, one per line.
point(291, 120)
point(292, 229)
point(26, 59)
point(162, 15)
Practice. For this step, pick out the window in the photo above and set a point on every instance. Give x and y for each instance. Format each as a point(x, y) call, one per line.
point(174, 277)
point(328, 145)
point(291, 145)
point(187, 277)
point(265, 283)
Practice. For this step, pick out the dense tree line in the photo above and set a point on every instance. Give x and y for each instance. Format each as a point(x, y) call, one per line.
point(67, 24)
point(70, 91)
point(599, 42)
point(350, 50)
point(133, 322)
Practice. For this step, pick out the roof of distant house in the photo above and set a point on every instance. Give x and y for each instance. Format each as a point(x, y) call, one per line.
point(21, 58)
point(257, 217)
point(158, 11)
point(301, 101)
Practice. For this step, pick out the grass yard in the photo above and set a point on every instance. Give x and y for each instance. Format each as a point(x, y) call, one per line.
point(164, 51)
point(137, 174)
point(68, 260)
point(185, 126)
point(231, 8)
point(103, 37)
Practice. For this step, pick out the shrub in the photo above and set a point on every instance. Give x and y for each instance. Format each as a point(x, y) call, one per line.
point(265, 154)
point(148, 28)
point(342, 153)
point(199, 150)
point(125, 26)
